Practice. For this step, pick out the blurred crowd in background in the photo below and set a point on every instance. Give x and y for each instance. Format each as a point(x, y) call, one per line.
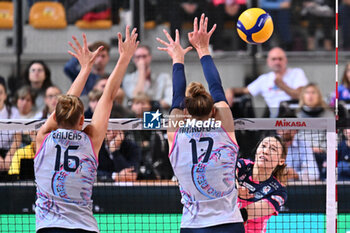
point(136, 155)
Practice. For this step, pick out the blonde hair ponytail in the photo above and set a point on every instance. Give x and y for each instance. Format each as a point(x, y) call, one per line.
point(69, 109)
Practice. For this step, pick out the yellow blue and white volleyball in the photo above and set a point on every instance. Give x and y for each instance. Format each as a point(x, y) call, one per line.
point(255, 26)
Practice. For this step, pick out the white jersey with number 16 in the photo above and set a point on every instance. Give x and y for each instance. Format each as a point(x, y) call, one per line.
point(65, 170)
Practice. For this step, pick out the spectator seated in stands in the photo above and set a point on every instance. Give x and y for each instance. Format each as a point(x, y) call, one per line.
point(6, 110)
point(37, 75)
point(344, 156)
point(119, 158)
point(6, 137)
point(51, 95)
point(312, 104)
point(141, 103)
point(156, 85)
point(100, 85)
point(94, 96)
point(72, 67)
point(281, 84)
point(344, 87)
point(25, 102)
point(154, 163)
point(301, 164)
point(27, 152)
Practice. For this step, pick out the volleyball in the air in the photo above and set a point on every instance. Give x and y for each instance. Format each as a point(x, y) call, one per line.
point(255, 26)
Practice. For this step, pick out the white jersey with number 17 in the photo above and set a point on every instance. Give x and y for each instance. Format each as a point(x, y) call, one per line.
point(204, 161)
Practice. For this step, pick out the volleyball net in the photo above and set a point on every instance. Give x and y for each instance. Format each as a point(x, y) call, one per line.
point(136, 190)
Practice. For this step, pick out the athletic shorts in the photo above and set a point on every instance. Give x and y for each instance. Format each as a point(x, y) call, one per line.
point(63, 230)
point(224, 228)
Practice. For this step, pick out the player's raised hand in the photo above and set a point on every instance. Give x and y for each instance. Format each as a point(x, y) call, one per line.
point(173, 48)
point(83, 54)
point(199, 37)
point(128, 46)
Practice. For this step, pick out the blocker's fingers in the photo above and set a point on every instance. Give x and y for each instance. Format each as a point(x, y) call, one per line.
point(212, 29)
point(120, 37)
point(97, 52)
point(168, 36)
point(73, 54)
point(127, 32)
point(195, 24)
point(205, 24)
point(73, 47)
point(85, 40)
point(133, 32)
point(188, 49)
point(177, 36)
point(162, 49)
point(163, 42)
point(77, 42)
point(201, 23)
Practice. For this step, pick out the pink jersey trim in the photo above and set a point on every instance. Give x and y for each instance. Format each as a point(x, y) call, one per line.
point(93, 149)
point(41, 146)
point(230, 137)
point(174, 141)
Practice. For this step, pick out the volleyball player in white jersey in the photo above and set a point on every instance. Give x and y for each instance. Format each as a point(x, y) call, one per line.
point(203, 159)
point(66, 161)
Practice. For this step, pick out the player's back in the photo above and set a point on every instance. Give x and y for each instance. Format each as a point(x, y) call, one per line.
point(204, 162)
point(65, 170)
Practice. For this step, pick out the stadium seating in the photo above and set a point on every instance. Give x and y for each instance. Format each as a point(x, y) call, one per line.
point(47, 15)
point(94, 24)
point(6, 15)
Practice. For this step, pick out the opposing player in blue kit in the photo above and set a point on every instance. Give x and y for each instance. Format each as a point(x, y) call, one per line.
point(203, 158)
point(260, 192)
point(66, 161)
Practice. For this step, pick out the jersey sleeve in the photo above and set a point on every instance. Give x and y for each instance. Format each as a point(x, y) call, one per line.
point(242, 168)
point(277, 200)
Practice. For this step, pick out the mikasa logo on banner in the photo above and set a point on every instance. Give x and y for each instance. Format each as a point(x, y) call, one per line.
point(284, 123)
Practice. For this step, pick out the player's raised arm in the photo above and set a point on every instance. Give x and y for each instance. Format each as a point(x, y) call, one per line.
point(199, 39)
point(98, 127)
point(177, 54)
point(86, 60)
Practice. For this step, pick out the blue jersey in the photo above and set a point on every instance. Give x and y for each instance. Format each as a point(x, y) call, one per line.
point(270, 190)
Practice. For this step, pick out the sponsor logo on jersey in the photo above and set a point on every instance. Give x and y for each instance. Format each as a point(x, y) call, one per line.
point(278, 199)
point(242, 177)
point(274, 185)
point(266, 189)
point(258, 195)
point(248, 186)
point(285, 123)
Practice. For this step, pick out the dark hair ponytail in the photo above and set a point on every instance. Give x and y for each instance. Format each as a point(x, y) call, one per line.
point(279, 172)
